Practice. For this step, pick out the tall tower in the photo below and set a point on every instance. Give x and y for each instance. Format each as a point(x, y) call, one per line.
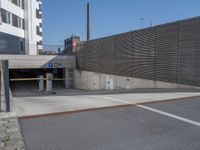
point(0, 13)
point(88, 20)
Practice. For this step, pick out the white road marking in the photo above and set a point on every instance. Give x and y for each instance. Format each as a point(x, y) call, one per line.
point(112, 99)
point(153, 110)
point(170, 115)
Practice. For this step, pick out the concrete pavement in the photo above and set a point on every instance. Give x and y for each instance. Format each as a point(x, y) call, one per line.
point(129, 127)
point(80, 100)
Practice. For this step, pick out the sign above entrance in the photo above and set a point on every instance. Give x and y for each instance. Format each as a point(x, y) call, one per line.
point(50, 65)
point(55, 65)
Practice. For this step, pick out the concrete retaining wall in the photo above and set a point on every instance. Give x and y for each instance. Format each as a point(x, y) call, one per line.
point(98, 81)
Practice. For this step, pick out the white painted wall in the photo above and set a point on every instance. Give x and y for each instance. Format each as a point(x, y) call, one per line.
point(8, 29)
point(97, 81)
point(31, 37)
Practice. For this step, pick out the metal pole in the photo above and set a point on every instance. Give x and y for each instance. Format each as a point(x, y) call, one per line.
point(41, 83)
point(0, 84)
point(0, 14)
point(141, 22)
point(49, 82)
point(6, 84)
point(88, 21)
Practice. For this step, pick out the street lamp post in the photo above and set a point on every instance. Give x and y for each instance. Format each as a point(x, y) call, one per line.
point(0, 14)
point(141, 22)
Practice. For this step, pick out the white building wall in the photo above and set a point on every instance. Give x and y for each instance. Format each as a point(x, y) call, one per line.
point(6, 28)
point(31, 23)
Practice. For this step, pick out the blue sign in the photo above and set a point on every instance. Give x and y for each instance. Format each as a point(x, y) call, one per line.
point(50, 65)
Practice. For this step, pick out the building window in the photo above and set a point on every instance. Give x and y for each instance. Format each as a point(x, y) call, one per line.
point(19, 3)
point(20, 23)
point(8, 18)
point(38, 31)
point(15, 21)
point(12, 19)
point(38, 15)
point(40, 7)
point(3, 15)
point(22, 46)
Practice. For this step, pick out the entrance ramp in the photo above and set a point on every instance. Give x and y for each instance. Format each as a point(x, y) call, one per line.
point(74, 100)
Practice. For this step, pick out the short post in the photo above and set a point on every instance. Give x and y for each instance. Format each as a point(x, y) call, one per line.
point(41, 83)
point(49, 78)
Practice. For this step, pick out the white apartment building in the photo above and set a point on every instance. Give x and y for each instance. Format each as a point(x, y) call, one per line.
point(20, 27)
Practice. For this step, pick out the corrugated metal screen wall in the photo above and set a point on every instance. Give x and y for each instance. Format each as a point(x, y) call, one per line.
point(169, 52)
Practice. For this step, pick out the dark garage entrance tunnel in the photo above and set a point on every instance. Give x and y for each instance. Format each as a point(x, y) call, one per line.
point(23, 80)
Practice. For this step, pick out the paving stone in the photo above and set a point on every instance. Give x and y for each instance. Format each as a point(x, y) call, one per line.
point(15, 134)
point(2, 145)
point(15, 147)
point(14, 141)
point(2, 135)
point(3, 128)
point(12, 130)
point(3, 122)
point(12, 124)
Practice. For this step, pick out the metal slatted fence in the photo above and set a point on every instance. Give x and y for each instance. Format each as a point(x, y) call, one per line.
point(169, 52)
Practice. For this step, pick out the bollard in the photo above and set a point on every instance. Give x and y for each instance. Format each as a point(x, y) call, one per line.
point(41, 83)
point(49, 77)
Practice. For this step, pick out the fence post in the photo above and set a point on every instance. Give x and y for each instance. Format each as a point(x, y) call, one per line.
point(0, 85)
point(6, 84)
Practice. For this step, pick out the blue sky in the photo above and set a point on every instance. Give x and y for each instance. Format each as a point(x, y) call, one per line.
point(62, 18)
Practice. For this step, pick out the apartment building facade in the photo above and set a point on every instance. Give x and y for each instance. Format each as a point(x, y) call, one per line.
point(20, 27)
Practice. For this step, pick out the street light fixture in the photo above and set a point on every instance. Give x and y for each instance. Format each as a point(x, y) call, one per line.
point(141, 22)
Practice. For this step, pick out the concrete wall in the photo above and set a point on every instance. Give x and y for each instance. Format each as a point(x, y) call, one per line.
point(97, 81)
point(29, 62)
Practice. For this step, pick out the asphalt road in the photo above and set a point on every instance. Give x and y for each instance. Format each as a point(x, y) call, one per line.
point(124, 128)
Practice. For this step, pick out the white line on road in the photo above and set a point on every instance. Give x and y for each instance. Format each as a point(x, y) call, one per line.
point(112, 99)
point(170, 115)
point(153, 110)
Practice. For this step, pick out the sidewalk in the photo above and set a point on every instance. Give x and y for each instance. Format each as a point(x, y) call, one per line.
point(10, 132)
point(77, 100)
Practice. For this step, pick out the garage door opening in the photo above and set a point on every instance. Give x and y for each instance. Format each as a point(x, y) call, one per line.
point(27, 80)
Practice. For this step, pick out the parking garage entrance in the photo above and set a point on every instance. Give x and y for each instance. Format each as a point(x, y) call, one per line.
point(39, 80)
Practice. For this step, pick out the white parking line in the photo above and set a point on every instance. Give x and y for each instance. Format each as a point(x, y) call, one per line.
point(153, 110)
